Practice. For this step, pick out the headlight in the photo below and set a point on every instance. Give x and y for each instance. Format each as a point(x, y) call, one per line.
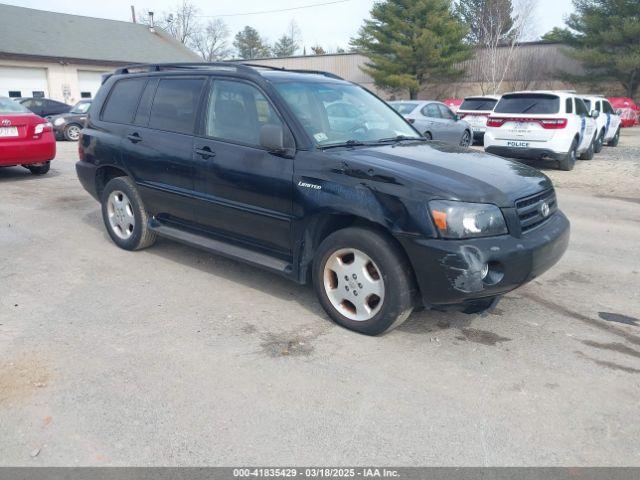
point(467, 220)
point(58, 121)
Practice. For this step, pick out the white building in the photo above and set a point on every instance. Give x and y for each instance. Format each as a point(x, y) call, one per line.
point(60, 56)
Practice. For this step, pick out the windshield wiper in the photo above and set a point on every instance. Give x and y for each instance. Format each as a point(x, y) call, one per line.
point(529, 107)
point(348, 143)
point(400, 138)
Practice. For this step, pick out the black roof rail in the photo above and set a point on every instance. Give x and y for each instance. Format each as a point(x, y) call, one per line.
point(247, 68)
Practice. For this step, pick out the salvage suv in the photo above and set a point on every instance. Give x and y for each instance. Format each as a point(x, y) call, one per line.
point(246, 162)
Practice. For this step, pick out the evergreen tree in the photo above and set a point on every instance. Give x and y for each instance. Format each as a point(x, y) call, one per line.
point(605, 35)
point(412, 42)
point(249, 44)
point(284, 47)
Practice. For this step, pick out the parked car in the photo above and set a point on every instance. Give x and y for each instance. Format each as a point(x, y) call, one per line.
point(245, 162)
point(544, 125)
point(44, 107)
point(68, 125)
point(607, 121)
point(475, 111)
point(25, 138)
point(435, 121)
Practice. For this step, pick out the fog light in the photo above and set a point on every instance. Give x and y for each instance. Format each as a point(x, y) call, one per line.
point(484, 272)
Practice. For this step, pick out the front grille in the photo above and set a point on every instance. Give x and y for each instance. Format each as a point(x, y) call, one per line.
point(530, 209)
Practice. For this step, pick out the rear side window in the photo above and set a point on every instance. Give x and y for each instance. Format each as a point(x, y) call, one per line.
point(175, 105)
point(123, 100)
point(569, 105)
point(599, 106)
point(581, 108)
point(431, 111)
point(478, 104)
point(607, 107)
point(404, 108)
point(528, 103)
point(445, 112)
point(587, 103)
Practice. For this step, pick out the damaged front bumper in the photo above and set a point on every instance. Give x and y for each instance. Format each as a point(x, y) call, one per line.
point(457, 272)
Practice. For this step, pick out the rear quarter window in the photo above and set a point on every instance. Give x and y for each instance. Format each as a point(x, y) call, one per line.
point(528, 103)
point(175, 105)
point(123, 100)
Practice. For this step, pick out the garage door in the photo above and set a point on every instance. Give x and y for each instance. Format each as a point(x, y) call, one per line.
point(89, 83)
point(23, 82)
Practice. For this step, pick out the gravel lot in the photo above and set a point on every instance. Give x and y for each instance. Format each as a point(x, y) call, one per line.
point(172, 356)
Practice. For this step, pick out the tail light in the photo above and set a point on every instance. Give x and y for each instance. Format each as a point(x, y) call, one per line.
point(42, 127)
point(553, 123)
point(495, 122)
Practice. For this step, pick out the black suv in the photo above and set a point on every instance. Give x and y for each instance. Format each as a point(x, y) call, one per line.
point(250, 163)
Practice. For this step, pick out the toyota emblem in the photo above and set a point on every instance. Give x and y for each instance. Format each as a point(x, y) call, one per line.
point(544, 209)
point(6, 122)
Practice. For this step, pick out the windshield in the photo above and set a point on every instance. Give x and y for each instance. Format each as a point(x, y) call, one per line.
point(403, 108)
point(528, 103)
point(478, 104)
point(80, 107)
point(337, 113)
point(10, 106)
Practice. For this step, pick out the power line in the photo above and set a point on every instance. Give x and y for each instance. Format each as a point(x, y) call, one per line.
point(275, 11)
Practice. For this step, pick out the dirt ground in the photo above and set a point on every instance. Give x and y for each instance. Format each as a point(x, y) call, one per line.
point(172, 356)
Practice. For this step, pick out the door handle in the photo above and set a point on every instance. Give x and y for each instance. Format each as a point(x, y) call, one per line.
point(205, 152)
point(134, 137)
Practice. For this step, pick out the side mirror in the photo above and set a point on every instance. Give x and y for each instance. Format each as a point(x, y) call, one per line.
point(595, 114)
point(456, 117)
point(272, 138)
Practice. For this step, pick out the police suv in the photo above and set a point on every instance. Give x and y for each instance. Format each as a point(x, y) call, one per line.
point(475, 111)
point(543, 125)
point(607, 121)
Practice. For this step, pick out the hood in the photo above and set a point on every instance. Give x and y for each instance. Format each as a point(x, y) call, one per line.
point(448, 172)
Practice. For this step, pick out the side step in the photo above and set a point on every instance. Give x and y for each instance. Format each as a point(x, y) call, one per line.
point(221, 248)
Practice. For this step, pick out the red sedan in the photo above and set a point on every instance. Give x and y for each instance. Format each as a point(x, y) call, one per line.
point(25, 138)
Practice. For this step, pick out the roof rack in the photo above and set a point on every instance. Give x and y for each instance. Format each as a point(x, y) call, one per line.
point(247, 68)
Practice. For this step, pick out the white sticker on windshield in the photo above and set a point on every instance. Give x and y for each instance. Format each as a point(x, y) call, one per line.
point(320, 137)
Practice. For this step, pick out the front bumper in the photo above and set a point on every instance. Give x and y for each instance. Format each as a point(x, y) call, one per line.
point(449, 272)
point(525, 153)
point(28, 151)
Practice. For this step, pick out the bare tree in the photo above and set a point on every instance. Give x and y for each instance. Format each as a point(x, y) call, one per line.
point(495, 52)
point(318, 50)
point(181, 22)
point(211, 42)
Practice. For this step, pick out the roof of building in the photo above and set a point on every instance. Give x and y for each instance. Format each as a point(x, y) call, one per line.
point(38, 33)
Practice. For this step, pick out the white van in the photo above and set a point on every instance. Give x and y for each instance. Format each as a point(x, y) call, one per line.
point(607, 121)
point(544, 125)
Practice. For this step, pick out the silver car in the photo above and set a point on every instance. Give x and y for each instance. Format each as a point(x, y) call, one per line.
point(435, 121)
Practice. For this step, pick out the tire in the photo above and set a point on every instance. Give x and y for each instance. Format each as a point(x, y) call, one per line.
point(427, 135)
point(39, 169)
point(616, 138)
point(124, 215)
point(569, 160)
point(599, 142)
point(465, 141)
point(72, 132)
point(369, 261)
point(589, 152)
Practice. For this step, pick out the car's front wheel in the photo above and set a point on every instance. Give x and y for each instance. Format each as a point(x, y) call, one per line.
point(599, 142)
point(589, 152)
point(72, 132)
point(124, 215)
point(616, 138)
point(363, 280)
point(465, 141)
point(568, 162)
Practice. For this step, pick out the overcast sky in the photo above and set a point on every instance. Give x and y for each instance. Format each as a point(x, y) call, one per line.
point(330, 26)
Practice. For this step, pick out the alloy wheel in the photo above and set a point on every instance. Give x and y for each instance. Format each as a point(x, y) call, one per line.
point(120, 212)
point(354, 284)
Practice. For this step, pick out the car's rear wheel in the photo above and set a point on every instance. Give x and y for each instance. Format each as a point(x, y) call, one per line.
point(363, 280)
point(465, 141)
point(589, 152)
point(569, 160)
point(124, 215)
point(616, 138)
point(72, 132)
point(599, 142)
point(39, 169)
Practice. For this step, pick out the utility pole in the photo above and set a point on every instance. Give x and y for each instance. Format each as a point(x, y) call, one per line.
point(133, 14)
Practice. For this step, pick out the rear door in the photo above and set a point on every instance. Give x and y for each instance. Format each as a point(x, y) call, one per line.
point(244, 191)
point(432, 121)
point(157, 147)
point(452, 128)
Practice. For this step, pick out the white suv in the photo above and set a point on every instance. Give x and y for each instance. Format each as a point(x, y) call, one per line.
point(607, 121)
point(475, 111)
point(545, 125)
